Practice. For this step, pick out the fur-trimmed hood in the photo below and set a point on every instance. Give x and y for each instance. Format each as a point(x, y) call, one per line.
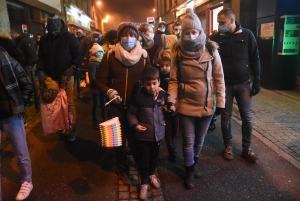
point(4, 35)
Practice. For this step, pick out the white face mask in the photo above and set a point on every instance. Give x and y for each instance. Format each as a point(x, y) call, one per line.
point(128, 42)
point(191, 37)
point(163, 29)
point(151, 35)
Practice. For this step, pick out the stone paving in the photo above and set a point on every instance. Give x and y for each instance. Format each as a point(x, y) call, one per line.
point(277, 123)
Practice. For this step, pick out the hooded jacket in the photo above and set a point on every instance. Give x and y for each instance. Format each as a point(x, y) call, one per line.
point(57, 53)
point(239, 54)
point(192, 83)
point(27, 48)
point(149, 113)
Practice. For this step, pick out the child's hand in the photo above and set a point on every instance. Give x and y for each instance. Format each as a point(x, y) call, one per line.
point(140, 128)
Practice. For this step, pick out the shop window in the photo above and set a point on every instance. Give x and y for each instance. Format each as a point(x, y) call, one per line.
point(214, 18)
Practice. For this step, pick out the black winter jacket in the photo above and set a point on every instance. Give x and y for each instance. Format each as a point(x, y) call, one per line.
point(25, 86)
point(58, 53)
point(239, 55)
point(147, 112)
point(27, 48)
point(157, 37)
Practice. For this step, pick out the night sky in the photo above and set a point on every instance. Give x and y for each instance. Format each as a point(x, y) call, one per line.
point(126, 11)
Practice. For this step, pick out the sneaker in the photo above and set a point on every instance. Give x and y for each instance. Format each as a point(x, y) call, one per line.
point(228, 153)
point(143, 192)
point(25, 190)
point(248, 154)
point(62, 132)
point(154, 181)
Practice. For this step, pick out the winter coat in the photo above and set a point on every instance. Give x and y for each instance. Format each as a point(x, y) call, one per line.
point(151, 52)
point(25, 86)
point(192, 83)
point(164, 80)
point(11, 48)
point(92, 68)
point(157, 37)
point(58, 53)
point(115, 75)
point(149, 113)
point(239, 54)
point(27, 48)
point(85, 46)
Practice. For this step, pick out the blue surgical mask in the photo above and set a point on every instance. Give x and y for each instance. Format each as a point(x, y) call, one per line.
point(163, 29)
point(99, 55)
point(128, 42)
point(224, 29)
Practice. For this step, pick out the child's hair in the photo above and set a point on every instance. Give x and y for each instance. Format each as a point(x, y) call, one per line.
point(150, 73)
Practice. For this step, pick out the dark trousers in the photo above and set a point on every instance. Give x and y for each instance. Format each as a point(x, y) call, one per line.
point(120, 152)
point(148, 152)
point(172, 129)
point(98, 100)
point(77, 75)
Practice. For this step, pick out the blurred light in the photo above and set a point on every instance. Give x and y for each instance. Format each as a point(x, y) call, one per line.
point(154, 10)
point(99, 2)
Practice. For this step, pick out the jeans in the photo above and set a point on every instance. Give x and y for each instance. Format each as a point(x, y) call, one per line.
point(15, 133)
point(71, 106)
point(148, 152)
point(98, 100)
point(193, 131)
point(242, 94)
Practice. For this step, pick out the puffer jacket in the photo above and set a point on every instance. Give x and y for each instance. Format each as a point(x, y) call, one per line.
point(147, 112)
point(25, 86)
point(192, 83)
point(239, 54)
point(58, 53)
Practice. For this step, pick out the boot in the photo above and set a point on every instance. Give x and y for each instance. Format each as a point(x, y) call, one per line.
point(189, 177)
point(172, 154)
point(72, 135)
point(197, 171)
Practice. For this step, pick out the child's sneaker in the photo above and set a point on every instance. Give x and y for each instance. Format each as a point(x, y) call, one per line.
point(24, 191)
point(143, 192)
point(154, 181)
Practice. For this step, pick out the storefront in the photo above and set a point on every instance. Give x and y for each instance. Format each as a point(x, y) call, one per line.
point(77, 19)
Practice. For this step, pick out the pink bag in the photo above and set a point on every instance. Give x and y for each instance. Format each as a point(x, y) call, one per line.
point(55, 115)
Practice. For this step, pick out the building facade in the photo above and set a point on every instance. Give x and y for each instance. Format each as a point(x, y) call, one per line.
point(279, 70)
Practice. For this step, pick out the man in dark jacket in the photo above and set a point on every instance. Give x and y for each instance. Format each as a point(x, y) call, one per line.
point(15, 92)
point(27, 48)
point(240, 59)
point(85, 46)
point(161, 30)
point(59, 56)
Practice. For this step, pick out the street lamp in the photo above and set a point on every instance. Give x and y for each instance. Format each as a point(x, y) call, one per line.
point(102, 21)
point(98, 2)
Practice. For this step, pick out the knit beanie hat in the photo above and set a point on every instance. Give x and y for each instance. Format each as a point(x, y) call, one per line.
point(125, 25)
point(190, 20)
point(53, 23)
point(162, 23)
point(111, 36)
point(96, 48)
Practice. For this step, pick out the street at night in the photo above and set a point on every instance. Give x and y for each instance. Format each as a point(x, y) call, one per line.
point(83, 170)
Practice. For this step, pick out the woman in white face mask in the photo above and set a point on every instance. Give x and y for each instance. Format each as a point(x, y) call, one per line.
point(146, 32)
point(195, 73)
point(119, 73)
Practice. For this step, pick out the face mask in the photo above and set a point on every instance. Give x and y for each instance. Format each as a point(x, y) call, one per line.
point(128, 42)
point(99, 55)
point(151, 35)
point(224, 28)
point(96, 39)
point(190, 37)
point(163, 30)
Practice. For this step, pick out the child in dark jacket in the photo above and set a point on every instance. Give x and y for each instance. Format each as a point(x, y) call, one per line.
point(172, 122)
point(146, 116)
point(96, 54)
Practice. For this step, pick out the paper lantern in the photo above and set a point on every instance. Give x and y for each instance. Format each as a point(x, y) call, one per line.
point(111, 134)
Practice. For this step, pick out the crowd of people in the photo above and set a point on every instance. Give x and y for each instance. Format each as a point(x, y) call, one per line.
point(158, 84)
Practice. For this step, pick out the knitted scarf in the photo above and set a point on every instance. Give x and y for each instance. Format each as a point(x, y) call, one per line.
point(128, 58)
point(9, 80)
point(193, 49)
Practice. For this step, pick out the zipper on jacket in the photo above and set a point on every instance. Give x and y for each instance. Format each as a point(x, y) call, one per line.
point(206, 85)
point(126, 81)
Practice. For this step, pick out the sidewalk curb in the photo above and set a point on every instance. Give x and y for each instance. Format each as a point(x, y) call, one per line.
point(271, 145)
point(285, 94)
